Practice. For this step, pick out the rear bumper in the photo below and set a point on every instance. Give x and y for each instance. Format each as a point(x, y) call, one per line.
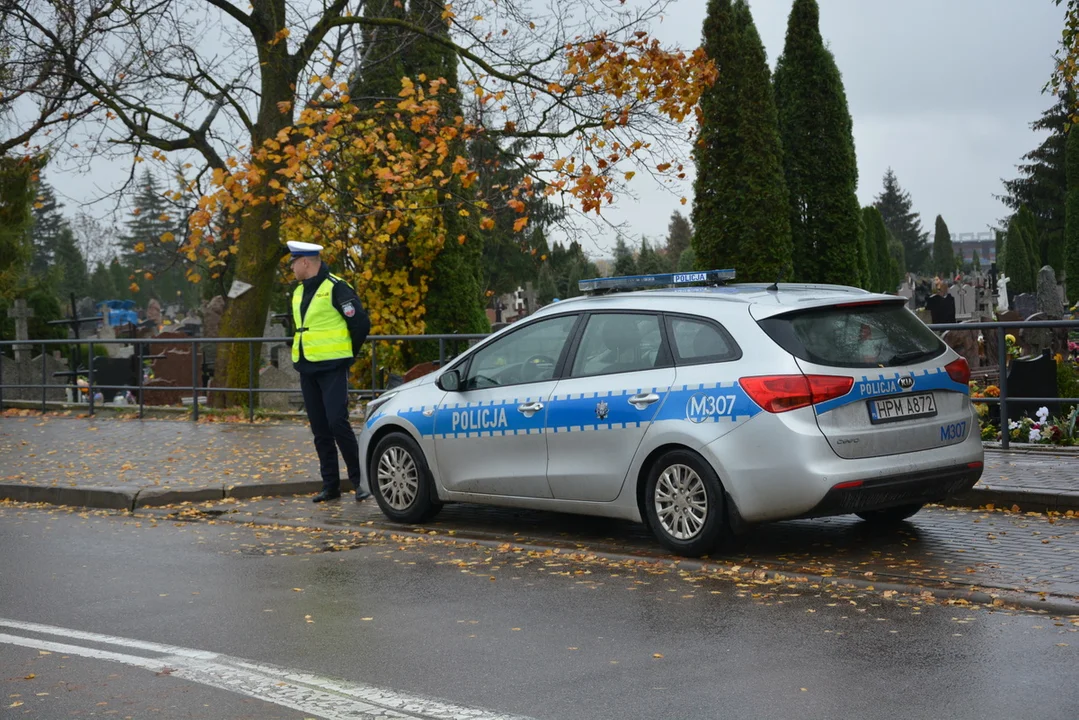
point(883, 492)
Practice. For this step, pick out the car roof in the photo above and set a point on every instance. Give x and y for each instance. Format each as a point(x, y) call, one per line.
point(764, 301)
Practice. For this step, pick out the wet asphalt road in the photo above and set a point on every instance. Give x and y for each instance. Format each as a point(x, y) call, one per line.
point(514, 632)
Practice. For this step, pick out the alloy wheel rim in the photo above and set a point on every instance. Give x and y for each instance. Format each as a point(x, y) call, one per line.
point(398, 478)
point(681, 502)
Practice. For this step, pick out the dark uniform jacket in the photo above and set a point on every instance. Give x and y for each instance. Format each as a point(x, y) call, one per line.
point(345, 300)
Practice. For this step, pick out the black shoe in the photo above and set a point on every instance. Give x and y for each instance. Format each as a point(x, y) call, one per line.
point(362, 495)
point(325, 495)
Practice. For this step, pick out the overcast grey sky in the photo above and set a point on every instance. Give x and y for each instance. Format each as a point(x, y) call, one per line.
point(943, 91)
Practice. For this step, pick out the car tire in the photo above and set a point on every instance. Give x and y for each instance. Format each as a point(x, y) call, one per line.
point(401, 481)
point(892, 515)
point(684, 503)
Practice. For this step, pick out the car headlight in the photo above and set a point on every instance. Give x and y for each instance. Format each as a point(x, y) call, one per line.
point(376, 404)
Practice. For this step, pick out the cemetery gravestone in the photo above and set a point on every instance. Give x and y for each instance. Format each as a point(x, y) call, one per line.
point(964, 342)
point(1026, 305)
point(29, 373)
point(121, 373)
point(906, 291)
point(966, 302)
point(86, 308)
point(172, 370)
point(153, 313)
point(20, 313)
point(271, 329)
point(281, 377)
point(1002, 294)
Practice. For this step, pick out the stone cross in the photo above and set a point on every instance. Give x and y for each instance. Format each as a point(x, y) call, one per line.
point(20, 313)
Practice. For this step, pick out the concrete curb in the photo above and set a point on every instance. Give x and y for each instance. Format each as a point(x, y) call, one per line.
point(1027, 500)
point(97, 497)
point(136, 497)
point(155, 497)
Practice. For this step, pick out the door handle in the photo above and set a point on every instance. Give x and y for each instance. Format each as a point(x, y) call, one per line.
point(530, 409)
point(643, 400)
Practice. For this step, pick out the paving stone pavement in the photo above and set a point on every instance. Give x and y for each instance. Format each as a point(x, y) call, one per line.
point(64, 451)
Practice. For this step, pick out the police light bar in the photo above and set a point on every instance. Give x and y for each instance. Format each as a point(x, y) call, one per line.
point(637, 282)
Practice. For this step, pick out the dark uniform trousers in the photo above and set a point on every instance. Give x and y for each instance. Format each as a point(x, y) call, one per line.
point(325, 395)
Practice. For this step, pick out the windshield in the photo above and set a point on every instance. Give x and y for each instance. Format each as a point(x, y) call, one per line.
point(871, 335)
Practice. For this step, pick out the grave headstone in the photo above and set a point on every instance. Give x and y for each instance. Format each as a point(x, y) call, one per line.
point(966, 302)
point(153, 313)
point(29, 373)
point(906, 291)
point(1026, 305)
point(211, 316)
point(20, 313)
point(1031, 377)
point(170, 368)
point(121, 373)
point(271, 329)
point(281, 377)
point(1002, 294)
point(965, 342)
point(85, 307)
point(1048, 297)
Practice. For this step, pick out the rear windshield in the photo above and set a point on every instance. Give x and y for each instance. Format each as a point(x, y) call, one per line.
point(877, 335)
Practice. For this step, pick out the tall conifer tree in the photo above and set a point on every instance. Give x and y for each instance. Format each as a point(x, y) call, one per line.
point(819, 162)
point(1071, 232)
point(740, 210)
point(1042, 184)
point(943, 254)
point(905, 225)
point(1018, 268)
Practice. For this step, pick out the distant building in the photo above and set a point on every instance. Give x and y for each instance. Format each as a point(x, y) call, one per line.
point(984, 242)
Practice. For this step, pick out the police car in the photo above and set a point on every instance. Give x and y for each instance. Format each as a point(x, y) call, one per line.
point(696, 409)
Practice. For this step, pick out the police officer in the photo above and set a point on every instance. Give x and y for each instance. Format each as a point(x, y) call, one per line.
point(331, 325)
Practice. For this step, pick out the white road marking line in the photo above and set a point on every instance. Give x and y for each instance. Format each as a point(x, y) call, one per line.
point(294, 689)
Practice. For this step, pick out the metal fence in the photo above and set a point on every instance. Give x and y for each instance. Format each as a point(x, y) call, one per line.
point(448, 346)
point(1001, 329)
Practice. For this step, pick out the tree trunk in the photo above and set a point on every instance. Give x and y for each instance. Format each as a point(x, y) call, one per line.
point(259, 247)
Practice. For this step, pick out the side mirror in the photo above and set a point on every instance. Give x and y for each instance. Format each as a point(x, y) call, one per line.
point(450, 381)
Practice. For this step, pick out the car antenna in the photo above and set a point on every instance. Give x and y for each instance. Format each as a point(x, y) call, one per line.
point(774, 287)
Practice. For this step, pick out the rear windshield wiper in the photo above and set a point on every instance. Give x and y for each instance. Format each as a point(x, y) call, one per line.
point(904, 357)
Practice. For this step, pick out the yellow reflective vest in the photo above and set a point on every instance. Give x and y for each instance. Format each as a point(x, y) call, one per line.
point(321, 331)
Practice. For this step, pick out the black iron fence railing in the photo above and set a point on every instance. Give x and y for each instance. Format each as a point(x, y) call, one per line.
point(448, 346)
point(1001, 329)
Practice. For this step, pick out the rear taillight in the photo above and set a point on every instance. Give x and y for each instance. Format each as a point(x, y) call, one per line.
point(958, 370)
point(780, 393)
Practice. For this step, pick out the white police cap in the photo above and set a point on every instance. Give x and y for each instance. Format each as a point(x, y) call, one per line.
point(303, 249)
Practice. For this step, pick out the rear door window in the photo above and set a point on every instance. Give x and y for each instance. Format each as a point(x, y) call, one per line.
point(700, 341)
point(881, 334)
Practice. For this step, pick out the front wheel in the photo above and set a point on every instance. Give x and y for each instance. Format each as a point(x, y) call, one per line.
point(684, 503)
point(890, 516)
point(401, 481)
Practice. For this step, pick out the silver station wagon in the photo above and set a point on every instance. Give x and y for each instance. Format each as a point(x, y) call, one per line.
point(694, 409)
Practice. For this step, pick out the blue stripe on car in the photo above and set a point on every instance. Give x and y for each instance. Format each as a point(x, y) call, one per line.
point(883, 385)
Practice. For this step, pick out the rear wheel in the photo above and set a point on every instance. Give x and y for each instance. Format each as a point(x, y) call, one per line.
point(890, 516)
point(401, 481)
point(684, 503)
